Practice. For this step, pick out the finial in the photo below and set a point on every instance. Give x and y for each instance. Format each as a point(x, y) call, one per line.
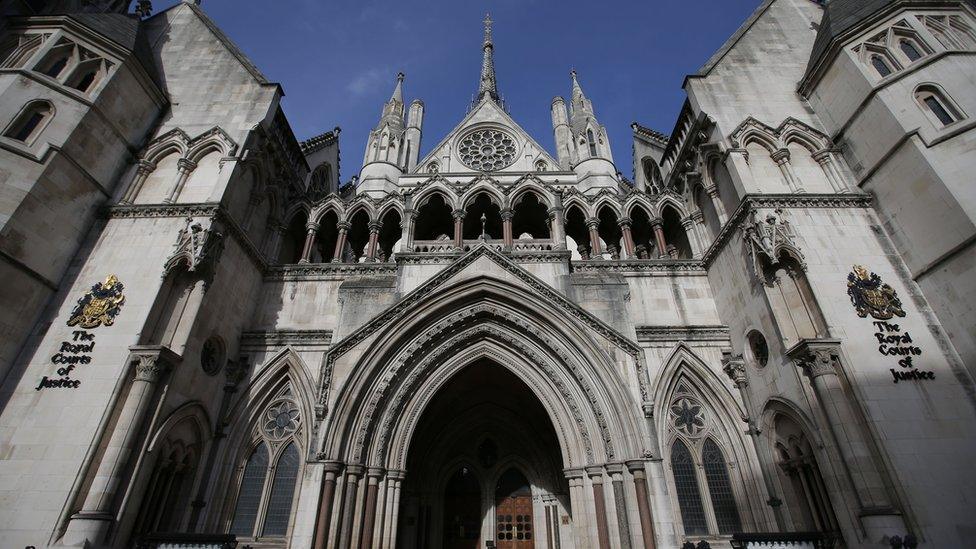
point(572, 73)
point(487, 23)
point(400, 76)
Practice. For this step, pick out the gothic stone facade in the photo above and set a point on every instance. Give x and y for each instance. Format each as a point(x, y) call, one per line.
point(769, 328)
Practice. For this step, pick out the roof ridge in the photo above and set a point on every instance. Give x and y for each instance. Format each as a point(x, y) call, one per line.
point(229, 44)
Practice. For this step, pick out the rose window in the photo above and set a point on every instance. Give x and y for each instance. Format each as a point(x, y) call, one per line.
point(688, 417)
point(281, 419)
point(487, 150)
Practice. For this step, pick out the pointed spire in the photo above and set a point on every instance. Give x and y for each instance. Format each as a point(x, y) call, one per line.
point(393, 109)
point(398, 90)
point(578, 99)
point(488, 86)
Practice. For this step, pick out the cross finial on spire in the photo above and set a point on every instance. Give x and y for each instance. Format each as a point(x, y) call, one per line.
point(487, 23)
point(487, 86)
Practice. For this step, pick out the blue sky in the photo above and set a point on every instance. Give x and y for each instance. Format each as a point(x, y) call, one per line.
point(337, 59)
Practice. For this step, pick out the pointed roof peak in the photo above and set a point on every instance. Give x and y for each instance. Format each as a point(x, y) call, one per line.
point(488, 86)
point(577, 90)
point(398, 90)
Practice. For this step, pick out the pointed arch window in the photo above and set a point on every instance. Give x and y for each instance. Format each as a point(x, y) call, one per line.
point(702, 483)
point(249, 496)
point(910, 49)
point(720, 489)
point(266, 495)
point(30, 122)
point(936, 105)
point(282, 492)
point(592, 142)
point(686, 486)
point(881, 65)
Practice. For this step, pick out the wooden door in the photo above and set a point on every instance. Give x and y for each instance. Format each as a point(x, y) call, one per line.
point(513, 512)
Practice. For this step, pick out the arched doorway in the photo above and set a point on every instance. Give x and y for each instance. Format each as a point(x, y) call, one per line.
point(513, 511)
point(483, 457)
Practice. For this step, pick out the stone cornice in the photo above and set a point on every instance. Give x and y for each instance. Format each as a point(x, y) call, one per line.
point(663, 267)
point(263, 339)
point(671, 334)
point(773, 201)
point(203, 209)
point(327, 271)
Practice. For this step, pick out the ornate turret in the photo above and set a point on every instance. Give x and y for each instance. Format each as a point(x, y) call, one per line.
point(589, 147)
point(386, 158)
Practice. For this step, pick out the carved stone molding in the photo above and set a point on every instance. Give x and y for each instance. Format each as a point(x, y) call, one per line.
point(328, 271)
point(198, 247)
point(768, 235)
point(780, 201)
point(662, 267)
point(152, 361)
point(816, 357)
point(735, 367)
point(670, 335)
point(265, 339)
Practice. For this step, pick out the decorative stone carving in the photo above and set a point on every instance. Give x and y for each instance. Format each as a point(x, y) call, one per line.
point(767, 238)
point(735, 368)
point(100, 305)
point(281, 419)
point(870, 295)
point(487, 149)
point(816, 358)
point(198, 246)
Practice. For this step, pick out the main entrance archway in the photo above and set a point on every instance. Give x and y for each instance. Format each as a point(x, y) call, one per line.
point(484, 464)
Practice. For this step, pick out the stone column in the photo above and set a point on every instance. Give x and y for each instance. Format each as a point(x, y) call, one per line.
point(600, 505)
point(92, 524)
point(596, 252)
point(184, 168)
point(324, 518)
point(624, 223)
point(734, 367)
point(313, 228)
point(620, 502)
point(695, 238)
point(406, 230)
point(662, 245)
point(636, 468)
point(820, 361)
point(458, 229)
point(577, 506)
point(369, 509)
point(507, 215)
point(782, 159)
point(712, 192)
point(340, 241)
point(142, 172)
point(825, 158)
point(374, 238)
point(557, 228)
point(353, 473)
point(394, 481)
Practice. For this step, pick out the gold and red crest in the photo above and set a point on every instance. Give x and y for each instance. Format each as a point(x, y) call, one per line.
point(871, 296)
point(100, 305)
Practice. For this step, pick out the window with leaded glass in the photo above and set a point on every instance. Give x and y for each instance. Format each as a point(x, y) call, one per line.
point(266, 494)
point(686, 486)
point(720, 489)
point(249, 496)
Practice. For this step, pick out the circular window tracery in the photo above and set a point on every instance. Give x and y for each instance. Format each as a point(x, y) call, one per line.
point(487, 149)
point(688, 417)
point(281, 419)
